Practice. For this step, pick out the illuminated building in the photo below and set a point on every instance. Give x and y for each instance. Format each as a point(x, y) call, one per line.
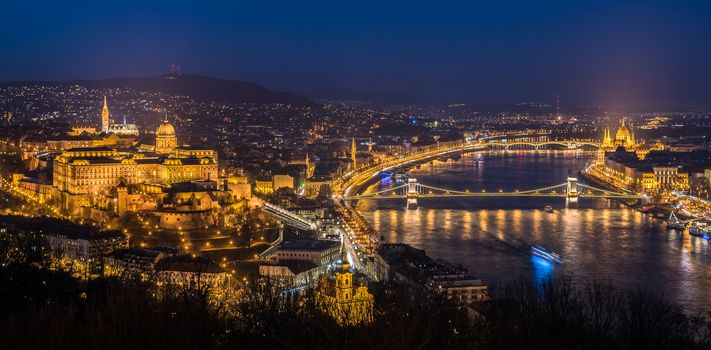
point(282, 181)
point(264, 186)
point(309, 167)
point(354, 152)
point(623, 137)
point(105, 117)
point(166, 141)
point(300, 262)
point(339, 298)
point(318, 185)
point(82, 129)
point(669, 178)
point(89, 176)
point(320, 252)
point(412, 267)
point(108, 125)
point(628, 171)
point(616, 169)
point(123, 128)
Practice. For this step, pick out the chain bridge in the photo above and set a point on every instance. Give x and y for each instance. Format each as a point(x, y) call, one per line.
point(412, 190)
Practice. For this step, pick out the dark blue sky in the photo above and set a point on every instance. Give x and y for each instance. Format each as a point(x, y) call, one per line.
point(609, 52)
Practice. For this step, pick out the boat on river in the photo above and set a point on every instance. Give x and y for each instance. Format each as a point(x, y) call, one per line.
point(548, 209)
point(400, 178)
point(674, 223)
point(543, 253)
point(701, 230)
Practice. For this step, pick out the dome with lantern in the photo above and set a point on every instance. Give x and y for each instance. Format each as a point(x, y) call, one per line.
point(623, 136)
point(165, 129)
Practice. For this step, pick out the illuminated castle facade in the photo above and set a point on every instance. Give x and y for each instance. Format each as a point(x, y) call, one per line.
point(339, 298)
point(91, 176)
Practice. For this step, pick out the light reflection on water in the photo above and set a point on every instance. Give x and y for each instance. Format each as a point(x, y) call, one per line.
point(542, 269)
point(492, 237)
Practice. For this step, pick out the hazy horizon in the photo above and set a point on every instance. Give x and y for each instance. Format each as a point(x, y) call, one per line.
point(603, 52)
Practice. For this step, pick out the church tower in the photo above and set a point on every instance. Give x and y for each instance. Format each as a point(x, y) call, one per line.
point(607, 142)
point(353, 153)
point(344, 277)
point(121, 199)
point(346, 303)
point(309, 170)
point(105, 117)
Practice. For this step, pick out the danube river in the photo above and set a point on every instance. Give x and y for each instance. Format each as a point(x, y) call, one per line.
point(596, 238)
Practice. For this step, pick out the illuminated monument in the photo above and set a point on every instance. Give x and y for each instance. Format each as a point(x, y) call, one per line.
point(623, 137)
point(105, 117)
point(166, 141)
point(347, 304)
point(108, 125)
point(354, 153)
point(94, 176)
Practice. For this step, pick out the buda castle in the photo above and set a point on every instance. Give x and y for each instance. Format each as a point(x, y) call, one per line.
point(99, 175)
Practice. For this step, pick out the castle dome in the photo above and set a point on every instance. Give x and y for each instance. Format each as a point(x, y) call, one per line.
point(165, 129)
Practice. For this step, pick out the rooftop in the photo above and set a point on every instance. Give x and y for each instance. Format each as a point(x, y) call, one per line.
point(312, 245)
point(188, 263)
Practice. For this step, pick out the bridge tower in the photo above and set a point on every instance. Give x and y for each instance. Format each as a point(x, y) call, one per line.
point(572, 189)
point(412, 193)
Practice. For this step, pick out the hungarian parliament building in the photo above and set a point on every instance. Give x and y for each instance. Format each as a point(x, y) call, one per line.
point(120, 174)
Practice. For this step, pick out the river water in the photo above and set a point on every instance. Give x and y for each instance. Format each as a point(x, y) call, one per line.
point(596, 238)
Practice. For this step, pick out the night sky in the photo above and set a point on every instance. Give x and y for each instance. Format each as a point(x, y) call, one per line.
point(597, 52)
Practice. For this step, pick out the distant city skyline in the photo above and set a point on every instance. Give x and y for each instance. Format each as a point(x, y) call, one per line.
point(602, 52)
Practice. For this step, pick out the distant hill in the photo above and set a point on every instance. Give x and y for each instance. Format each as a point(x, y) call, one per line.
point(200, 88)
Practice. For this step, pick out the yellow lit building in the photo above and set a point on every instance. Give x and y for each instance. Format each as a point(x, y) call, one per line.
point(110, 126)
point(339, 298)
point(623, 137)
point(82, 176)
point(166, 141)
point(264, 186)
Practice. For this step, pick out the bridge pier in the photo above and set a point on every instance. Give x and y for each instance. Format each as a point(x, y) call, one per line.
point(412, 193)
point(572, 189)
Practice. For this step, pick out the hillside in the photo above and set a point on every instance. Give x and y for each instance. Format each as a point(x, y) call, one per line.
point(200, 88)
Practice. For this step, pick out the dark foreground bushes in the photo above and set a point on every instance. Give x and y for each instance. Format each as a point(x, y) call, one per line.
point(42, 309)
